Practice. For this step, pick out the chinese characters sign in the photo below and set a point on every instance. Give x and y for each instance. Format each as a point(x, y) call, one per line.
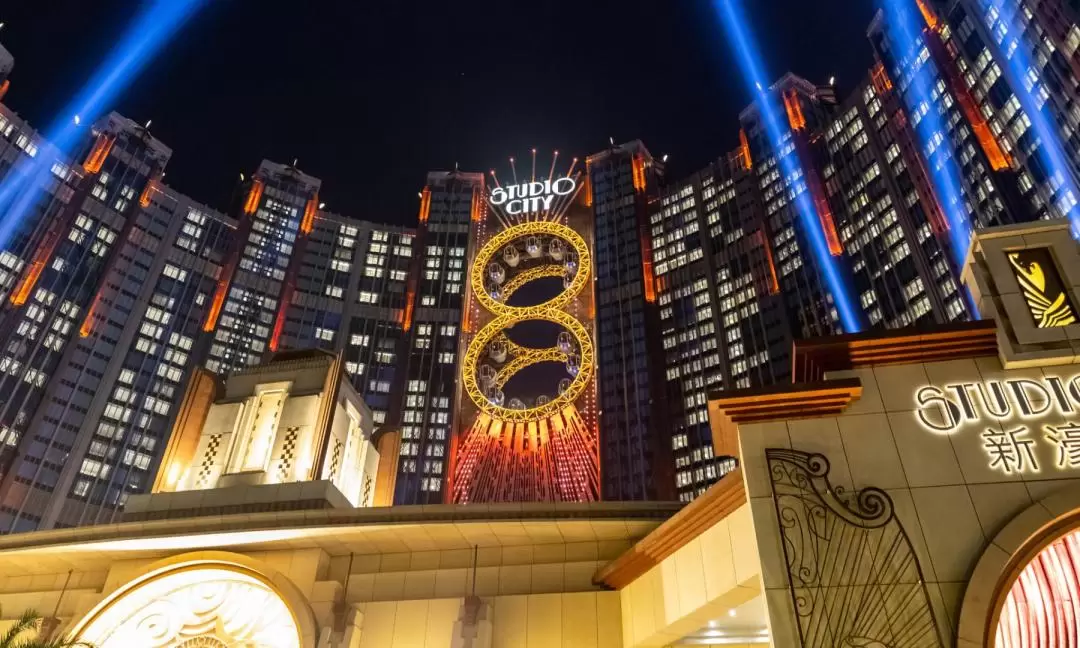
point(1014, 417)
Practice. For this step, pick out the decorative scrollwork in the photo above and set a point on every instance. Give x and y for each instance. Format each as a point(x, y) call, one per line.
point(855, 579)
point(196, 608)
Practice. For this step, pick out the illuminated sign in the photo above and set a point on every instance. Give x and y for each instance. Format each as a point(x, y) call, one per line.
point(1045, 294)
point(530, 197)
point(1010, 448)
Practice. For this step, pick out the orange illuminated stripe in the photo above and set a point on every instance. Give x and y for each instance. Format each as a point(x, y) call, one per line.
point(794, 111)
point(638, 164)
point(216, 304)
point(151, 186)
point(995, 154)
point(880, 78)
point(466, 319)
point(588, 187)
point(99, 153)
point(647, 269)
point(308, 223)
point(476, 212)
point(26, 285)
point(829, 226)
point(88, 323)
point(279, 321)
point(425, 204)
point(774, 282)
point(927, 14)
point(254, 196)
point(744, 151)
point(4, 87)
point(407, 314)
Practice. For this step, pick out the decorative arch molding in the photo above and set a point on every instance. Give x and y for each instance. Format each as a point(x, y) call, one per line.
point(1013, 548)
point(245, 576)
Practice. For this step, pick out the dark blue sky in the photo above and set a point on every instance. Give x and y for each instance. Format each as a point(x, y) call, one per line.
point(371, 95)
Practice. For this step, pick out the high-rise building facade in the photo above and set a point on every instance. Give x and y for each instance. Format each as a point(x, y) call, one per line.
point(634, 433)
point(248, 309)
point(427, 387)
point(1019, 63)
point(100, 317)
point(115, 286)
point(526, 405)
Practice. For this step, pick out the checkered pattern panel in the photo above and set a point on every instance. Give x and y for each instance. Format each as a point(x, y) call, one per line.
point(288, 453)
point(335, 459)
point(206, 468)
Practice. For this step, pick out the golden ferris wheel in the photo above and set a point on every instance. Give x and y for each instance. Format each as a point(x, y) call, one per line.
point(542, 445)
point(561, 252)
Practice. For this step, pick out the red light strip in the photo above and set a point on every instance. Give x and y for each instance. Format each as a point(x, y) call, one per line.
point(425, 204)
point(995, 154)
point(639, 172)
point(647, 268)
point(794, 111)
point(99, 153)
point(310, 209)
point(880, 78)
point(407, 313)
point(928, 14)
point(88, 322)
point(744, 151)
point(774, 283)
point(151, 186)
point(26, 285)
point(254, 195)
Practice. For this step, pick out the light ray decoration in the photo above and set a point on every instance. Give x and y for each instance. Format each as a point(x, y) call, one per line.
point(1025, 80)
point(916, 77)
point(779, 134)
point(540, 447)
point(155, 24)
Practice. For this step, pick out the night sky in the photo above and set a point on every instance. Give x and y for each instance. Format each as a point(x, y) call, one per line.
point(369, 96)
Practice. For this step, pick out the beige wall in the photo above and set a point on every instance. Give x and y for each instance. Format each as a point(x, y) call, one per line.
point(575, 620)
point(949, 500)
point(715, 571)
point(539, 596)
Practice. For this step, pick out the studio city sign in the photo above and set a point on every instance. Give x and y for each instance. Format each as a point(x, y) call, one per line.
point(946, 408)
point(530, 197)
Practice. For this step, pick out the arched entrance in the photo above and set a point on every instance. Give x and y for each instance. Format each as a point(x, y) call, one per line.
point(199, 603)
point(1025, 589)
point(1042, 608)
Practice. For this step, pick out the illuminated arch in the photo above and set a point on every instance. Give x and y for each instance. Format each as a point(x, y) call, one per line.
point(507, 316)
point(522, 230)
point(203, 599)
point(1025, 589)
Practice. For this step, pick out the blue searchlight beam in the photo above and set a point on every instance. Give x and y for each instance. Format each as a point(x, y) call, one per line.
point(152, 28)
point(912, 57)
point(749, 58)
point(1026, 84)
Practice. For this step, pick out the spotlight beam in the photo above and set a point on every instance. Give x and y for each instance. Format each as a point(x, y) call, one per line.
point(1014, 50)
point(144, 38)
point(902, 28)
point(749, 58)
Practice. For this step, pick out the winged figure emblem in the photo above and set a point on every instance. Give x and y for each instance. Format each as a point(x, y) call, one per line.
point(1047, 312)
